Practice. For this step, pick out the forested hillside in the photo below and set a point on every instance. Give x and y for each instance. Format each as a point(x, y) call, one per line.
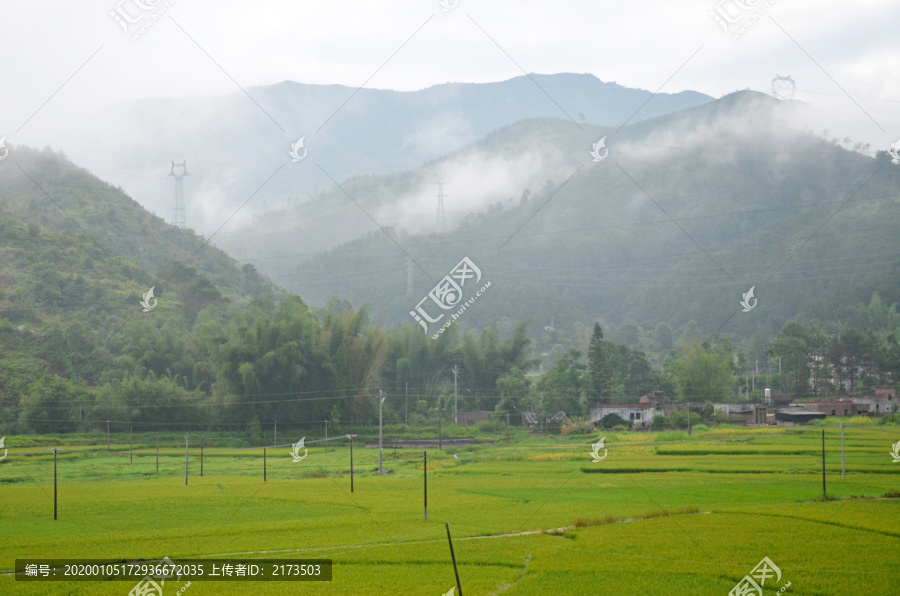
point(687, 213)
point(658, 243)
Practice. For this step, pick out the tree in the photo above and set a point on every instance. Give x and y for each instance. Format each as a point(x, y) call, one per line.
point(700, 373)
point(631, 373)
point(598, 364)
point(792, 347)
point(852, 352)
point(54, 404)
point(562, 387)
point(515, 390)
point(663, 337)
point(485, 359)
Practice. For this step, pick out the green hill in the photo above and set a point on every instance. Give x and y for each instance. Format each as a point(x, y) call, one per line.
point(688, 212)
point(77, 258)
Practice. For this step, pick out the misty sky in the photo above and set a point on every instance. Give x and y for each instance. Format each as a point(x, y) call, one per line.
point(638, 44)
point(64, 61)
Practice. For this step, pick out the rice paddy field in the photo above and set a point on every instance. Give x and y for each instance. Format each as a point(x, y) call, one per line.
point(662, 513)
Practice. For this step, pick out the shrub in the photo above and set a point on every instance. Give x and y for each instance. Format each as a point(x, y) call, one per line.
point(612, 420)
point(659, 422)
point(577, 426)
point(489, 427)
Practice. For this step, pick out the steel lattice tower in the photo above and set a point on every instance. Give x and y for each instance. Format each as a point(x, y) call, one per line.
point(440, 207)
point(409, 278)
point(178, 219)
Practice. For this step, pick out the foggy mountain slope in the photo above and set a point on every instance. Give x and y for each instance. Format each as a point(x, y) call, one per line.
point(232, 147)
point(48, 194)
point(758, 203)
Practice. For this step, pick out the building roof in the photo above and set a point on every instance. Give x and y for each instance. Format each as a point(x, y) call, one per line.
point(797, 413)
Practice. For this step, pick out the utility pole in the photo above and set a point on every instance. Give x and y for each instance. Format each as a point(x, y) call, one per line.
point(107, 436)
point(842, 451)
point(455, 396)
point(824, 494)
point(54, 452)
point(689, 418)
point(351, 461)
point(380, 407)
point(157, 453)
point(186, 444)
point(453, 557)
point(275, 440)
point(131, 440)
point(326, 436)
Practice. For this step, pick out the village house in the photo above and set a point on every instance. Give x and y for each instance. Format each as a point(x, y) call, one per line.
point(843, 407)
point(472, 418)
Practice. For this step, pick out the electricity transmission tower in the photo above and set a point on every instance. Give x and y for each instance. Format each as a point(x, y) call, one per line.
point(409, 278)
point(783, 87)
point(440, 207)
point(178, 219)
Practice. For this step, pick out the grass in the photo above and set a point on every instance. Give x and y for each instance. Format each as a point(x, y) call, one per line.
point(690, 516)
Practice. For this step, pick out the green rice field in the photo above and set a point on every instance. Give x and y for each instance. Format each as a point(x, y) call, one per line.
point(663, 513)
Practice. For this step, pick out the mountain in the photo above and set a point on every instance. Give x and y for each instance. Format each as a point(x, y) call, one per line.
point(236, 148)
point(686, 214)
point(78, 259)
point(50, 195)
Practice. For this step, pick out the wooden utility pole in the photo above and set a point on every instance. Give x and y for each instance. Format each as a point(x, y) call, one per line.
point(824, 494)
point(54, 451)
point(453, 556)
point(842, 451)
point(425, 478)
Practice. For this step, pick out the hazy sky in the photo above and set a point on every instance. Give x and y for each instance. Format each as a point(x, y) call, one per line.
point(198, 47)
